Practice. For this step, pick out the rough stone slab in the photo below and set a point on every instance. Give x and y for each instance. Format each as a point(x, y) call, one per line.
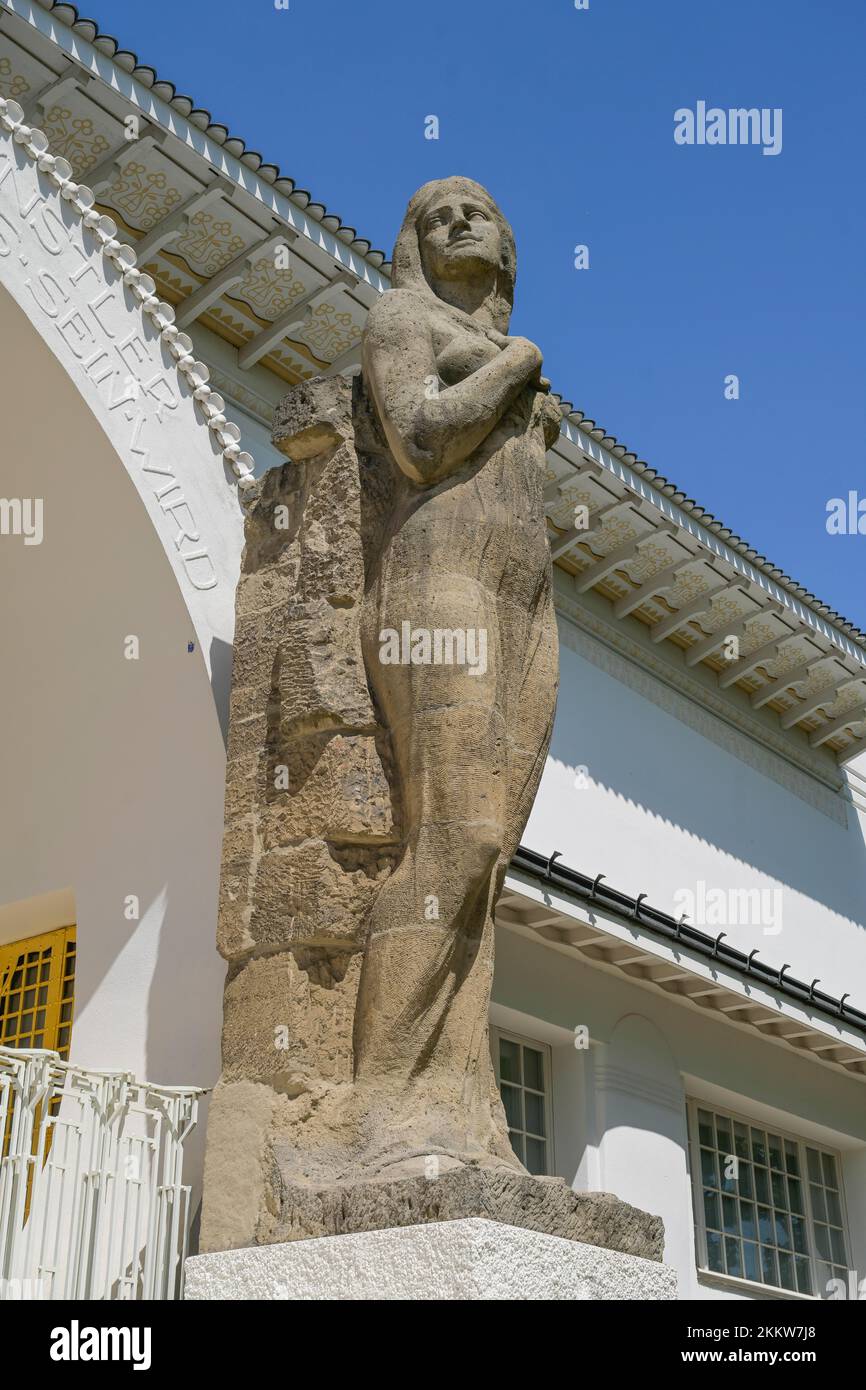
point(336, 788)
point(288, 1019)
point(471, 1260)
point(546, 1205)
point(301, 896)
point(321, 673)
point(315, 415)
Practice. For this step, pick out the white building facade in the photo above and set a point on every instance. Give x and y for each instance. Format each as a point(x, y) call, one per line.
point(679, 1007)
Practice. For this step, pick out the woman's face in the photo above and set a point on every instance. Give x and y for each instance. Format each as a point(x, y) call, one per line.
point(459, 238)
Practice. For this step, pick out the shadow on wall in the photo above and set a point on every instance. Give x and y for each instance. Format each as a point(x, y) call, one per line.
point(221, 682)
point(666, 771)
point(113, 780)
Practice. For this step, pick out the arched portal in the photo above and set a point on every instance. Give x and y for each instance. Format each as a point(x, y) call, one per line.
point(113, 756)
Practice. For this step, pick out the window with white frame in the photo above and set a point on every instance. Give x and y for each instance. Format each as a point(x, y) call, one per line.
point(768, 1207)
point(523, 1075)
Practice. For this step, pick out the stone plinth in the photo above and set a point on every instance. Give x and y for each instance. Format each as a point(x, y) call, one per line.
point(547, 1206)
point(467, 1260)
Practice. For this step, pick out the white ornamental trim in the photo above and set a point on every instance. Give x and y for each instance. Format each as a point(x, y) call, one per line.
point(104, 229)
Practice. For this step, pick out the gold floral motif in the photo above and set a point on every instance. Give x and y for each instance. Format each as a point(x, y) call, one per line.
point(567, 503)
point(268, 290)
point(12, 84)
point(650, 560)
point(818, 680)
point(688, 586)
point(851, 699)
point(329, 332)
point(208, 243)
point(142, 195)
point(73, 137)
point(792, 655)
point(614, 533)
point(757, 635)
point(722, 616)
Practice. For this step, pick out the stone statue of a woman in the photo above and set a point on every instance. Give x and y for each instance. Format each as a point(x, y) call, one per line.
point(460, 648)
point(396, 658)
point(396, 664)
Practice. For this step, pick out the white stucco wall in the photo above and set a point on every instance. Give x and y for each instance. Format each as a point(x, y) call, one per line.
point(633, 792)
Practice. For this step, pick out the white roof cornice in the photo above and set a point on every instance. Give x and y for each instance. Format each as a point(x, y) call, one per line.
point(60, 25)
point(710, 540)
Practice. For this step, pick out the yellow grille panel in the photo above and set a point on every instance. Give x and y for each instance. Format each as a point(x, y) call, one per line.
point(37, 984)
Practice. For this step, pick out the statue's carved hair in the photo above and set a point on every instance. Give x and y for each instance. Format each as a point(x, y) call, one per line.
point(407, 267)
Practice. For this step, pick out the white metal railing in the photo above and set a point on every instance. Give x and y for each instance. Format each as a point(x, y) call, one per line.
point(92, 1202)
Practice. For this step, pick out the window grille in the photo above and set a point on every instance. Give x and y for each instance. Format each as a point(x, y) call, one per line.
point(769, 1207)
point(523, 1075)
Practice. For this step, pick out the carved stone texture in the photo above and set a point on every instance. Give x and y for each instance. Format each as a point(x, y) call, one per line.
point(309, 815)
point(393, 697)
point(535, 1204)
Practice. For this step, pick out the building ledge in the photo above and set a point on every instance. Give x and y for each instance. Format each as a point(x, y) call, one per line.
point(579, 915)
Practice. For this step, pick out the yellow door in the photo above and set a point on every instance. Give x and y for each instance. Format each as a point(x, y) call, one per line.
point(37, 982)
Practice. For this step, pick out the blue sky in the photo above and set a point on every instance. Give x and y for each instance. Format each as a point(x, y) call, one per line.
point(704, 260)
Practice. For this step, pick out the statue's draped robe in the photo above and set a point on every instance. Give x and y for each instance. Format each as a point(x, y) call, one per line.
point(469, 554)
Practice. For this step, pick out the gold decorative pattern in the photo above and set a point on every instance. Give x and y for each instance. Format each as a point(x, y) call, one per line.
point(616, 586)
point(171, 287)
point(852, 698)
point(12, 84)
point(818, 680)
point(142, 195)
point(647, 613)
point(208, 242)
point(329, 332)
point(570, 498)
point(226, 434)
point(651, 559)
point(758, 635)
point(269, 291)
point(237, 331)
point(74, 137)
point(614, 533)
point(688, 586)
point(792, 655)
point(722, 615)
point(287, 360)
